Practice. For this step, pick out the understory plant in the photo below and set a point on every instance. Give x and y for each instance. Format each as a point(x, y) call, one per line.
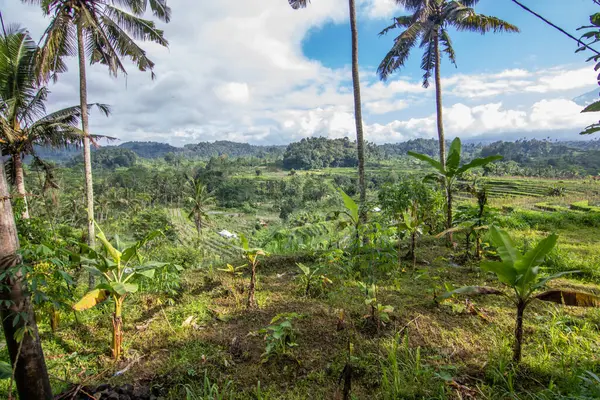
point(521, 273)
point(379, 314)
point(251, 255)
point(122, 270)
point(280, 335)
point(411, 224)
point(310, 276)
point(449, 172)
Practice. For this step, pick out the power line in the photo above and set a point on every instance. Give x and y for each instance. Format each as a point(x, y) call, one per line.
point(555, 26)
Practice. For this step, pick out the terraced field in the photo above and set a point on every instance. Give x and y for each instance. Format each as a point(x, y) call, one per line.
point(214, 247)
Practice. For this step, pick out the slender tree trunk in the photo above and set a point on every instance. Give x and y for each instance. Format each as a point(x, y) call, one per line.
point(87, 158)
point(438, 103)
point(360, 145)
point(413, 247)
point(519, 331)
point(449, 209)
point(399, 244)
point(31, 375)
point(117, 339)
point(251, 302)
point(198, 222)
point(20, 183)
point(441, 136)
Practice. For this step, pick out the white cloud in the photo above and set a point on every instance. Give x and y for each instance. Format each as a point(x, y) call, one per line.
point(381, 8)
point(488, 119)
point(513, 81)
point(234, 92)
point(384, 107)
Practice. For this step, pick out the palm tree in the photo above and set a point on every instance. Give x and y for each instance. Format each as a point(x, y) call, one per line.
point(428, 27)
point(26, 355)
point(23, 123)
point(99, 32)
point(360, 143)
point(199, 200)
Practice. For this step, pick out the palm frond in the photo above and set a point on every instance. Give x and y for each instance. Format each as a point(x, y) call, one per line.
point(140, 29)
point(428, 61)
point(296, 4)
point(448, 48)
point(399, 53)
point(470, 21)
point(58, 42)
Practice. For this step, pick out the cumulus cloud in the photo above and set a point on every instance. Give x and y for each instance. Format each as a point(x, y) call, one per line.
point(492, 120)
point(512, 81)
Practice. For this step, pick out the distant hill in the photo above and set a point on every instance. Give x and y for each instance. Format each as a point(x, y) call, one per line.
point(151, 149)
point(231, 149)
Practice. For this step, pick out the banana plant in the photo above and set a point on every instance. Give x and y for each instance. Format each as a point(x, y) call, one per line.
point(251, 255)
point(121, 270)
point(453, 170)
point(352, 211)
point(380, 313)
point(309, 276)
point(412, 224)
point(521, 273)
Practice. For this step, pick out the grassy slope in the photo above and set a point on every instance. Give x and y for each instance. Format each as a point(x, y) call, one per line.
point(459, 348)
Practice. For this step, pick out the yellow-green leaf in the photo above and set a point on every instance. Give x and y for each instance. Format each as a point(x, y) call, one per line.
point(91, 299)
point(114, 253)
point(568, 298)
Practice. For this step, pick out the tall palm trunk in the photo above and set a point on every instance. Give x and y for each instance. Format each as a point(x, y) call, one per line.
point(27, 357)
point(358, 114)
point(20, 183)
point(87, 158)
point(441, 138)
point(438, 102)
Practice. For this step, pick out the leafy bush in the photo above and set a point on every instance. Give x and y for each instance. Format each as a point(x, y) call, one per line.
point(279, 337)
point(150, 220)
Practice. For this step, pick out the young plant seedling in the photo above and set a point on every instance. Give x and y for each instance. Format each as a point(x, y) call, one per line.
point(520, 272)
point(121, 271)
point(309, 276)
point(279, 336)
point(379, 314)
point(251, 255)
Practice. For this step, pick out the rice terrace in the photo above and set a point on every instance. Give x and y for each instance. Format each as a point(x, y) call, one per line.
point(328, 199)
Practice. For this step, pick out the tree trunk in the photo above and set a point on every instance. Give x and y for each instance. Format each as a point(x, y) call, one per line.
point(31, 375)
point(117, 339)
point(413, 248)
point(449, 199)
point(440, 128)
point(198, 223)
point(399, 244)
point(360, 145)
point(438, 103)
point(251, 302)
point(20, 183)
point(519, 332)
point(87, 158)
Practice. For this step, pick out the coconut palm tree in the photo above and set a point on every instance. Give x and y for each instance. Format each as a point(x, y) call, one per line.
point(26, 355)
point(199, 200)
point(428, 27)
point(360, 143)
point(23, 120)
point(98, 31)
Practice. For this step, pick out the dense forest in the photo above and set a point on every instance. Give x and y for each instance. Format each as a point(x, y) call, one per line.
point(521, 158)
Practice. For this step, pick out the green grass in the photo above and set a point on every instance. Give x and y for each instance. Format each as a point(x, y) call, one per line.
point(427, 351)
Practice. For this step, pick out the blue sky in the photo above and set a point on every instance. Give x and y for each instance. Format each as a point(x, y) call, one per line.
point(537, 46)
point(260, 72)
